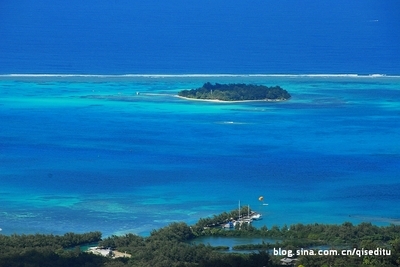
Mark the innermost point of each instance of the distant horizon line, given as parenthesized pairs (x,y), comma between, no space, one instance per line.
(161,75)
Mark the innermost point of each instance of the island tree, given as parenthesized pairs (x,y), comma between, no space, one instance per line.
(236,92)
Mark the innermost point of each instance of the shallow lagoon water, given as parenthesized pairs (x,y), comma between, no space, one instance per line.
(85,153)
(230,242)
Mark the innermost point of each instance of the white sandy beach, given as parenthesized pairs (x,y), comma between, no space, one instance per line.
(236,101)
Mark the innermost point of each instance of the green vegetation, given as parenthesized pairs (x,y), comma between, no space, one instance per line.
(173,246)
(236,92)
(170,246)
(48,250)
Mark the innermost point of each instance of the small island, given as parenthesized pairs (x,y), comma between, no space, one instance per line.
(236,92)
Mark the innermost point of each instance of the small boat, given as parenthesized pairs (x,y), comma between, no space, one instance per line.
(256,216)
(228,225)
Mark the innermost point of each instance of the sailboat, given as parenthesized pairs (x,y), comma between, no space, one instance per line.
(243,219)
(246,219)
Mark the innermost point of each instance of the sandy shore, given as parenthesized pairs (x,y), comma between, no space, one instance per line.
(106,252)
(236,101)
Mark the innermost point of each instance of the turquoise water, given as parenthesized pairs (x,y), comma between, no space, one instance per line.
(86,153)
(232,241)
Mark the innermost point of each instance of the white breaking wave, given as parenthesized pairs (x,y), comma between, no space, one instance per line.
(348,75)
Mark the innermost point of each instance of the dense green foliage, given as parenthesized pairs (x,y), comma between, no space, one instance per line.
(173,246)
(219,219)
(344,234)
(236,92)
(48,250)
(13,243)
(169,246)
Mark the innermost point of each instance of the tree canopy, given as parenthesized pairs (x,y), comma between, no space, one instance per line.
(173,246)
(236,92)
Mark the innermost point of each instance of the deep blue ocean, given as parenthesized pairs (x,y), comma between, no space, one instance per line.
(208,36)
(93,137)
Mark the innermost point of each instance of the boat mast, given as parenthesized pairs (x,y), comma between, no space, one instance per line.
(239,211)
